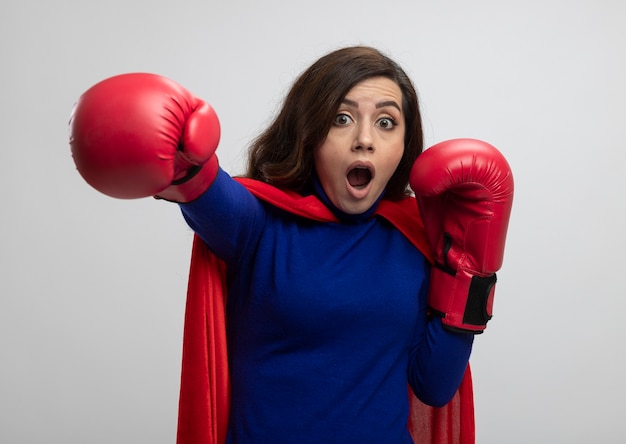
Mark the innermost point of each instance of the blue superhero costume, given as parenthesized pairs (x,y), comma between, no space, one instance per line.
(326,321)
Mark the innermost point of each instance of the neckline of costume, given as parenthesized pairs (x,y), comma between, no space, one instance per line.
(403,214)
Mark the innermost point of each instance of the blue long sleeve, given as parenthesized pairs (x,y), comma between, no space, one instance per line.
(438,362)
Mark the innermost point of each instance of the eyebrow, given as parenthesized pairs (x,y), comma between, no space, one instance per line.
(378,105)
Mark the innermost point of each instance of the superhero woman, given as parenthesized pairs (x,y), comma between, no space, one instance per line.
(326,304)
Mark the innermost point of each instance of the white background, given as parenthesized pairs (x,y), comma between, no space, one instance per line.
(92,288)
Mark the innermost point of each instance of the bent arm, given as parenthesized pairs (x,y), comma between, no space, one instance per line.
(438,359)
(437,366)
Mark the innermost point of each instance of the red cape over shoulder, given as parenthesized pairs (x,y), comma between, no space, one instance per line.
(205,390)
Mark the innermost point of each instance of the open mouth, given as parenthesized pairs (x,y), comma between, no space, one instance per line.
(359,177)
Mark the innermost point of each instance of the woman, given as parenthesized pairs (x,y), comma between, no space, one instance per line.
(327,321)
(326,263)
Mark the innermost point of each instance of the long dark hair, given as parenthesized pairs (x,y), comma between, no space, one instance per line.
(283,154)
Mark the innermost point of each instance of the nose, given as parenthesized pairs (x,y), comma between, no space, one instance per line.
(363,139)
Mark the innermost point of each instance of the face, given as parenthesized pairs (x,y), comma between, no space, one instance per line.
(364,145)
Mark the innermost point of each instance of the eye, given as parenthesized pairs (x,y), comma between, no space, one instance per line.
(342,119)
(386,123)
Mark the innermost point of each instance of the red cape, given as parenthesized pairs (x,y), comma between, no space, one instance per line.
(205,390)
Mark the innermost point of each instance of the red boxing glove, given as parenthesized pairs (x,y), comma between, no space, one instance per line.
(138,135)
(464,191)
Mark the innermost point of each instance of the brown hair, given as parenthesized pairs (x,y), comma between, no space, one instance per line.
(283,154)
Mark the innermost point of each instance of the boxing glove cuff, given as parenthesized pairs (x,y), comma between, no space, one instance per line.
(196,180)
(463,300)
